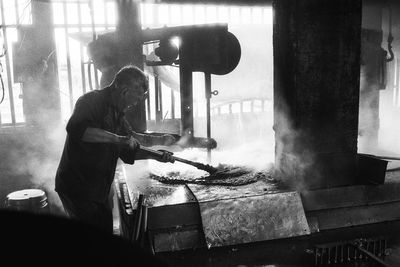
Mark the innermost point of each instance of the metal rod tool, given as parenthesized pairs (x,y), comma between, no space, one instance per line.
(205,167)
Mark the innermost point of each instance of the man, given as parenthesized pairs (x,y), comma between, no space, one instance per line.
(97,135)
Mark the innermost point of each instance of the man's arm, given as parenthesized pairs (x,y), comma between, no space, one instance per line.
(165,156)
(96,135)
(129,155)
(149,139)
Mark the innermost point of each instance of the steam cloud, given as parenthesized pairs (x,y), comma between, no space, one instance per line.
(35,155)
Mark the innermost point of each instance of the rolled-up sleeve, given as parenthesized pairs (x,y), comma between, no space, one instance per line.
(83,116)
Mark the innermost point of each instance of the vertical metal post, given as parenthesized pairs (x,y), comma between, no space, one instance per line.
(96,78)
(172,104)
(105,15)
(17,22)
(186,89)
(158,98)
(148,106)
(81,50)
(207,77)
(8,69)
(71,99)
(397,88)
(394,78)
(146,48)
(160,101)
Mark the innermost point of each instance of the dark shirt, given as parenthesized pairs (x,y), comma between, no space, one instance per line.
(86,170)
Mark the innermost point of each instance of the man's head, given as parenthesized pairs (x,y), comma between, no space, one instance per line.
(130,87)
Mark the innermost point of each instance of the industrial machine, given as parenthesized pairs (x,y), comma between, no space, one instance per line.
(208,48)
(263,221)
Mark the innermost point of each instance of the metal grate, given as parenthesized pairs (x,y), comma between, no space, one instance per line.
(360,252)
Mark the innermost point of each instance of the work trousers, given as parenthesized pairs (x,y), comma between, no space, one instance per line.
(90,212)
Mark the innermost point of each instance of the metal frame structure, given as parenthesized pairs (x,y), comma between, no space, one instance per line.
(73,66)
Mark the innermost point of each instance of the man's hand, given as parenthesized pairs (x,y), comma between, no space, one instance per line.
(168,139)
(166,157)
(131,142)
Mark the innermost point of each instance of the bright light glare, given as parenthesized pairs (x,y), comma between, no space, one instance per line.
(268,15)
(211,14)
(176,41)
(235,15)
(147,17)
(163,14)
(175,14)
(246,15)
(199,14)
(257,15)
(223,14)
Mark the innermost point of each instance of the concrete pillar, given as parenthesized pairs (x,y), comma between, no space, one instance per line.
(316,91)
(41,98)
(130,50)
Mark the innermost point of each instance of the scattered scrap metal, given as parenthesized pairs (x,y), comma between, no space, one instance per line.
(225,176)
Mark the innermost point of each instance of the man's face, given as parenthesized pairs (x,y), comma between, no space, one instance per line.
(132,95)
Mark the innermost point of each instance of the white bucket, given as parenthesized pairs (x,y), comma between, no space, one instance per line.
(33,200)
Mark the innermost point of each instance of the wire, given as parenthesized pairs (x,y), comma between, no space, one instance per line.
(2,88)
(22,15)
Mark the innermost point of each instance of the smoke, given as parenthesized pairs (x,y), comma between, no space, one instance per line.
(294,159)
(389,130)
(33,155)
(378,113)
(244,136)
(242,117)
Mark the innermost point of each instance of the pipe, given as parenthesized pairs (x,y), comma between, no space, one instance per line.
(207,77)
(138,219)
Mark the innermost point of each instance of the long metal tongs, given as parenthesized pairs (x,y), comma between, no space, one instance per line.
(205,167)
